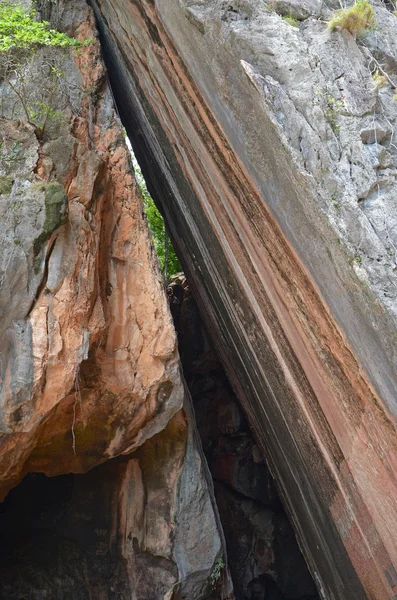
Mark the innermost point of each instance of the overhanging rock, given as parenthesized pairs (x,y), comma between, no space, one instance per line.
(249,132)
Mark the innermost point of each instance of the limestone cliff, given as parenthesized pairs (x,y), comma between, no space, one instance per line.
(89,367)
(271,150)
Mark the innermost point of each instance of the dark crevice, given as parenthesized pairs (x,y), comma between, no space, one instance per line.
(60,537)
(263,555)
(56,538)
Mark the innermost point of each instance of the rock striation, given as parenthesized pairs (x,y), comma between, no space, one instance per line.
(89,366)
(263,556)
(271,150)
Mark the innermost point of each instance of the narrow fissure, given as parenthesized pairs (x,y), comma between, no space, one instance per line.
(226,466)
(263,555)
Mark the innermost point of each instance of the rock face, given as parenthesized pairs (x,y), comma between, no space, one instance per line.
(118,531)
(89,367)
(264,559)
(271,150)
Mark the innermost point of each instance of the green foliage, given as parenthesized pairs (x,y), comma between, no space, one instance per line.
(291,20)
(31,57)
(356,19)
(169,262)
(40,112)
(356,260)
(216,573)
(332,108)
(19,29)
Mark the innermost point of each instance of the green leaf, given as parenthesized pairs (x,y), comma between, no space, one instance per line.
(20,29)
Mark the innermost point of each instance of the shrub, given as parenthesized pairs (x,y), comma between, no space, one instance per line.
(19,29)
(28,45)
(379,79)
(356,19)
(216,573)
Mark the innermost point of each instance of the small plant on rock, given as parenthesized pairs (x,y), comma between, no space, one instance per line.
(332,107)
(356,19)
(216,573)
(379,79)
(26,42)
(291,20)
(168,260)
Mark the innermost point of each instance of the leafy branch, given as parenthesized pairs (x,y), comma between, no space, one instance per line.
(26,42)
(169,262)
(19,29)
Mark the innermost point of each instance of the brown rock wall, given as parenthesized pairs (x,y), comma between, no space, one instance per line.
(90,366)
(263,556)
(114,531)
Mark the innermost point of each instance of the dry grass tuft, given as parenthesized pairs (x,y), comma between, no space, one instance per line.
(380,80)
(356,19)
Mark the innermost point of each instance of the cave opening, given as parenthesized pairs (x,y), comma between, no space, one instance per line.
(58,538)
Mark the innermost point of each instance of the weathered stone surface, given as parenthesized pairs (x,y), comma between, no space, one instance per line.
(263,555)
(248,131)
(118,531)
(298,9)
(89,367)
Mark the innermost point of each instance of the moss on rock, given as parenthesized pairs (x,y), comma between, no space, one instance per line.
(55,201)
(6,183)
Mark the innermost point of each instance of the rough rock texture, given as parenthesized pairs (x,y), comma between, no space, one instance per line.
(118,531)
(272,153)
(89,368)
(264,559)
